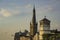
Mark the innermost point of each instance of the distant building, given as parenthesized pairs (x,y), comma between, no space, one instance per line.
(44,32)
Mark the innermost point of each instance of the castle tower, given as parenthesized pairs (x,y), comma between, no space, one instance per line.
(44,28)
(33,24)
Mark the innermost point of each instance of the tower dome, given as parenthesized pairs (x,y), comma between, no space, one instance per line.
(45,21)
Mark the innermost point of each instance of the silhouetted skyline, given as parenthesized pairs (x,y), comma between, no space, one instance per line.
(16,15)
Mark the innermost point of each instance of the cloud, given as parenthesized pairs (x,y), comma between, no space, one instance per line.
(8,12)
(44,9)
(4,13)
(28,6)
(15,11)
(25,9)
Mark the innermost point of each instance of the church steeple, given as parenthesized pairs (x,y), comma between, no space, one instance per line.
(34,16)
(33,24)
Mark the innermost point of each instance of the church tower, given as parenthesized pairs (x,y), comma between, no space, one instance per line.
(33,24)
(44,28)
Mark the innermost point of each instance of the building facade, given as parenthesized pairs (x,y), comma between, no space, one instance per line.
(44,32)
(44,27)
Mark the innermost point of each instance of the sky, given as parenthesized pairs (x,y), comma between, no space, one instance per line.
(16,15)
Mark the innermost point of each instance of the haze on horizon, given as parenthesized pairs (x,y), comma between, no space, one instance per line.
(16,15)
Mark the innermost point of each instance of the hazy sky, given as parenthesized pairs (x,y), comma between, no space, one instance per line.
(15,15)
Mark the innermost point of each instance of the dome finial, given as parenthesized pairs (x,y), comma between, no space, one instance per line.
(44,16)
